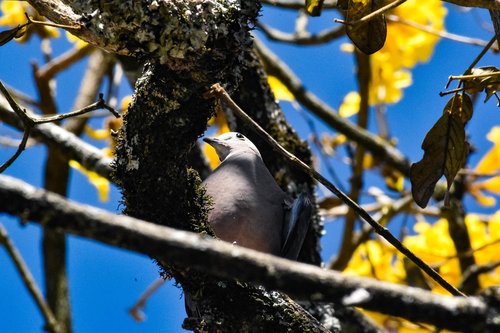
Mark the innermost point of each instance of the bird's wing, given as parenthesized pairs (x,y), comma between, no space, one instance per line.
(295,226)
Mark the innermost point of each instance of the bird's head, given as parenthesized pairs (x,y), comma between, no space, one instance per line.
(231,143)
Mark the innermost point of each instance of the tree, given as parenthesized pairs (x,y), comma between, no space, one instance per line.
(186,47)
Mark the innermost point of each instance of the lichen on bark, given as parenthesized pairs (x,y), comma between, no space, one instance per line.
(175,32)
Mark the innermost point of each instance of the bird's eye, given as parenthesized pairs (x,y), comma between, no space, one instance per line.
(239,136)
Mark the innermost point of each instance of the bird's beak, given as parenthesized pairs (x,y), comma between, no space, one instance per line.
(211,141)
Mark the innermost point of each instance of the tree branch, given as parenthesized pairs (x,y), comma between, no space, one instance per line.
(69,144)
(374,144)
(489,4)
(217,91)
(225,260)
(322,37)
(28,280)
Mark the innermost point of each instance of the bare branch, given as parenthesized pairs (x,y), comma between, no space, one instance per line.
(374,144)
(69,144)
(28,280)
(298,4)
(136,310)
(225,260)
(440,33)
(64,61)
(302,39)
(30,121)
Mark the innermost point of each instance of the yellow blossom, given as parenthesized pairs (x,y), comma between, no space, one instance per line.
(100,183)
(350,104)
(280,91)
(14,15)
(489,164)
(79,43)
(220,122)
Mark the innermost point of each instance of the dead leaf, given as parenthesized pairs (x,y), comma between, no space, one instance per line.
(369,37)
(445,149)
(489,83)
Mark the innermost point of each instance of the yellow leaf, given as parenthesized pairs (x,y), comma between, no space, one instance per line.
(280,91)
(492,185)
(350,104)
(395,182)
(99,182)
(125,103)
(211,156)
(79,43)
(481,198)
(97,134)
(13,13)
(491,160)
(368,161)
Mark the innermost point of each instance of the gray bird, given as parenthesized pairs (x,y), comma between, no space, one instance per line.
(250,209)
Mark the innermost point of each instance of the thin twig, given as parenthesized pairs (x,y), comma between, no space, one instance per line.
(31,121)
(50,24)
(63,61)
(136,310)
(473,76)
(481,54)
(298,4)
(322,37)
(469,69)
(380,148)
(217,91)
(473,272)
(100,104)
(20,149)
(365,19)
(440,33)
(28,280)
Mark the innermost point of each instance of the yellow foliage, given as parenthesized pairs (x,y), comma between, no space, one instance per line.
(220,122)
(432,243)
(79,43)
(350,104)
(407,45)
(99,182)
(280,91)
(13,12)
(489,164)
(13,15)
(387,81)
(376,259)
(404,48)
(491,160)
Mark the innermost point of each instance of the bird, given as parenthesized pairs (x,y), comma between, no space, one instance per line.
(249,207)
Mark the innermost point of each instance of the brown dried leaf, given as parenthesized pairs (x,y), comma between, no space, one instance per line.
(369,37)
(490,84)
(445,149)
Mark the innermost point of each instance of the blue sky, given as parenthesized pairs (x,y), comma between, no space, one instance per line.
(105,281)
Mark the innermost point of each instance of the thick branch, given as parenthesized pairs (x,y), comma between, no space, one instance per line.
(225,260)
